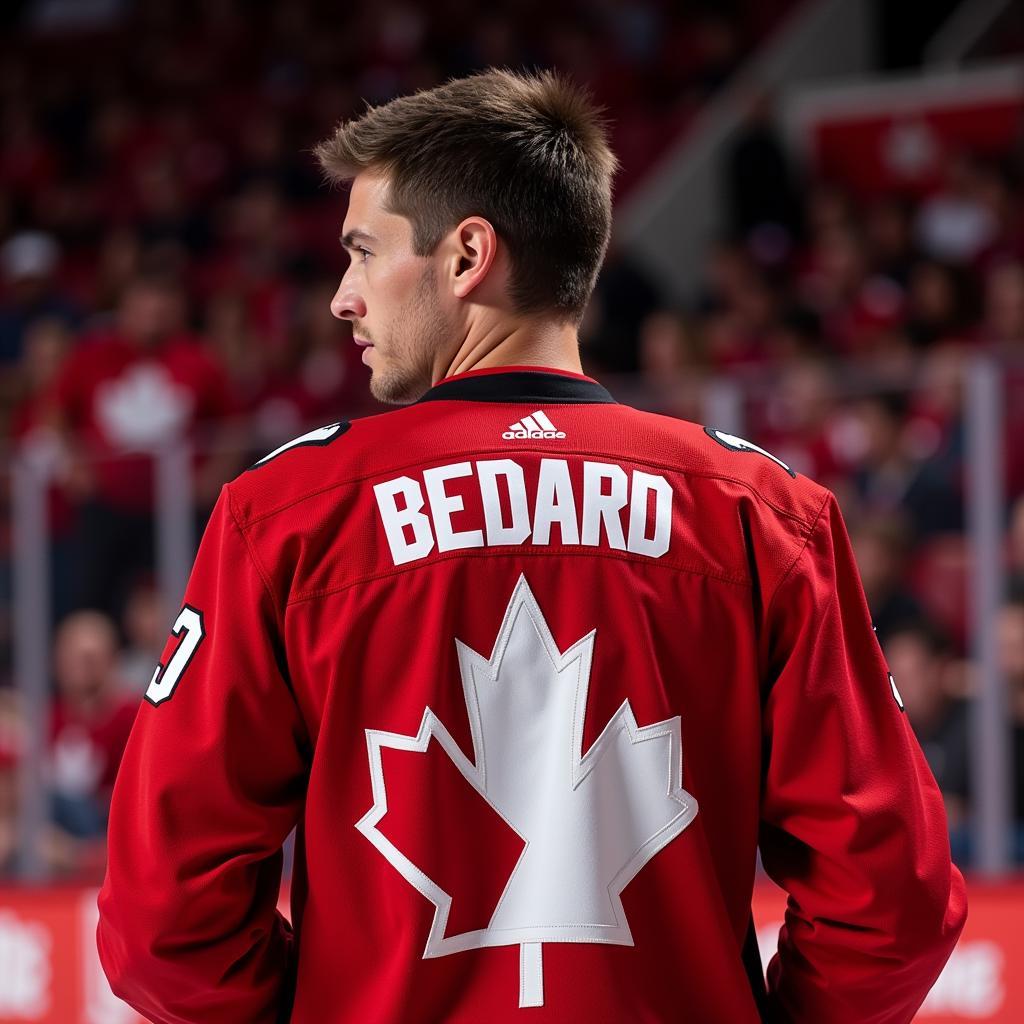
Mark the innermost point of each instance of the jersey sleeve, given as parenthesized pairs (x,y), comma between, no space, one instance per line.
(852,821)
(211,783)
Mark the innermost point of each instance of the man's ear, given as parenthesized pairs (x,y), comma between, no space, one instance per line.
(475,246)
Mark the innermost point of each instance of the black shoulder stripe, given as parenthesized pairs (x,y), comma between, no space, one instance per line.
(740,444)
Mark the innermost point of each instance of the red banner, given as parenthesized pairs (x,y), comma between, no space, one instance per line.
(898,135)
(50,974)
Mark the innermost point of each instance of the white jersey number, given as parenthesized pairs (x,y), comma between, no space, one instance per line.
(189,627)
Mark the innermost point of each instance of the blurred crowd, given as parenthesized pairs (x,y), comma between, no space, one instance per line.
(844,324)
(167,254)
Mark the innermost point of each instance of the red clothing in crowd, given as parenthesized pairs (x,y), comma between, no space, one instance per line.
(39,440)
(123,401)
(86,751)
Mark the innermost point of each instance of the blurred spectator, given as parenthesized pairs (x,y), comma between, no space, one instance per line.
(1011,659)
(880,547)
(738,309)
(671,377)
(29,262)
(313,377)
(8,814)
(919,661)
(728,274)
(89,728)
(123,395)
(117,262)
(1003,321)
(935,436)
(958,222)
(145,629)
(1016,549)
(833,274)
(796,419)
(47,344)
(623,297)
(827,208)
(938,575)
(889,236)
(762,193)
(11,740)
(870,442)
(237,345)
(938,303)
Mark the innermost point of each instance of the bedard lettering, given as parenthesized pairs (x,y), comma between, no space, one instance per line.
(425,516)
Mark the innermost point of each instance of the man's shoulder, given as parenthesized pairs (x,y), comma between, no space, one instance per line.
(313,463)
(730,465)
(723,468)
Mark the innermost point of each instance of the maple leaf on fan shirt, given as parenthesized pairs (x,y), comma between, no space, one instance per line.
(568,829)
(143,408)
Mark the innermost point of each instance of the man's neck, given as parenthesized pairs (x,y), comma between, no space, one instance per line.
(547,344)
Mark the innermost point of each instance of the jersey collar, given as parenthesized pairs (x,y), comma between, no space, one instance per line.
(519,384)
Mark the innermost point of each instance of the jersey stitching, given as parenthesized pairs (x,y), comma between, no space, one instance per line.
(257,564)
(279,615)
(476,553)
(803,547)
(792,565)
(552,453)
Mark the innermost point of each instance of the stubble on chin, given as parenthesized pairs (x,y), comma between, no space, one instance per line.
(395,386)
(406,376)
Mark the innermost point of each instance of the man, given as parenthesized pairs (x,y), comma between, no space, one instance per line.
(90,722)
(533,673)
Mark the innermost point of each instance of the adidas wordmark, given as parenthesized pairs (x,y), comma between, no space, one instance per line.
(537,425)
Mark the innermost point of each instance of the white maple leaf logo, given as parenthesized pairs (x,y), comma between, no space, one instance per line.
(588,822)
(143,408)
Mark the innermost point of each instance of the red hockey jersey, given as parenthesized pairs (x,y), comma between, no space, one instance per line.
(534,674)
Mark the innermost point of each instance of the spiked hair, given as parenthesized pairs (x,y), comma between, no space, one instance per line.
(526,151)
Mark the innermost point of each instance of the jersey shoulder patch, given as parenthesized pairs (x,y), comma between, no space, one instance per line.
(317,438)
(739,444)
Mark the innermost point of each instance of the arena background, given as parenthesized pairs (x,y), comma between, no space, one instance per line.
(819,245)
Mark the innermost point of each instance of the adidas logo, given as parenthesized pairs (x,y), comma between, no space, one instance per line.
(537,425)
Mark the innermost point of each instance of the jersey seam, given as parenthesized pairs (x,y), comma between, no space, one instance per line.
(551,454)
(278,615)
(257,564)
(796,559)
(471,553)
(762,650)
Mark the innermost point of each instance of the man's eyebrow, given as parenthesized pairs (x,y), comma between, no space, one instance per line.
(350,238)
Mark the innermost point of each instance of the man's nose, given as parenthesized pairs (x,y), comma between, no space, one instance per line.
(347,303)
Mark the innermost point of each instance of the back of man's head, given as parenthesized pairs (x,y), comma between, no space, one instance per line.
(526,151)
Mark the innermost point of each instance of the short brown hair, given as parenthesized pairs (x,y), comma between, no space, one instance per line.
(527,151)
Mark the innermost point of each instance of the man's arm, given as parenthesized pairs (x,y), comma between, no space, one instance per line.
(853,826)
(212,781)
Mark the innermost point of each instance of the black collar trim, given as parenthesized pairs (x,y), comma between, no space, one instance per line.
(527,386)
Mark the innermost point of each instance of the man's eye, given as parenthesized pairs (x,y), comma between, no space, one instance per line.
(363,253)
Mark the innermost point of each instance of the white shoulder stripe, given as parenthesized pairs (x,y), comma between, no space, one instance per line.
(317,436)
